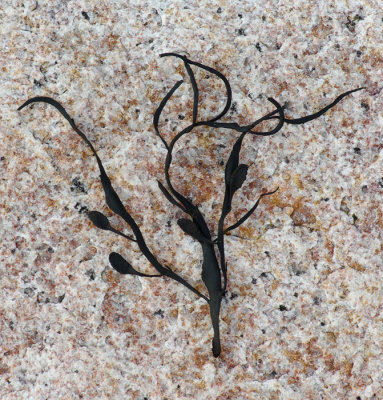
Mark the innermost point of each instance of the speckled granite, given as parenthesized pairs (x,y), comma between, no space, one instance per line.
(303,315)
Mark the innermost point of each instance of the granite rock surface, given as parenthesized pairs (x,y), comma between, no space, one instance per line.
(302,318)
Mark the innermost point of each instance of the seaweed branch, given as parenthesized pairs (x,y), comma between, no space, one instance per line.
(214,272)
(115,204)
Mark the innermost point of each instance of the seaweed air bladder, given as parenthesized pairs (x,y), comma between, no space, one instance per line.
(214,268)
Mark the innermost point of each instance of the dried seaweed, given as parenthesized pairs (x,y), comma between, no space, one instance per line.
(214,269)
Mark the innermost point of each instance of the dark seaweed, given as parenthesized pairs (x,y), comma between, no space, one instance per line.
(214,269)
